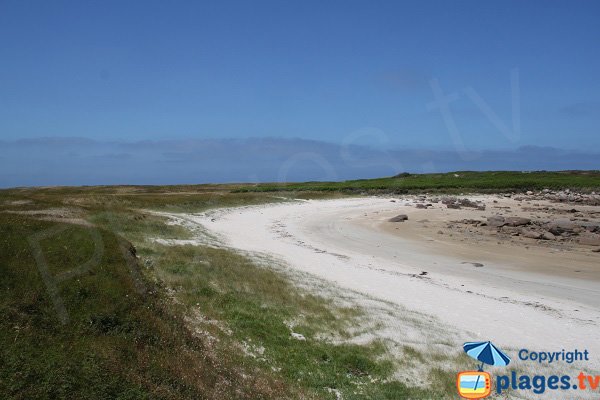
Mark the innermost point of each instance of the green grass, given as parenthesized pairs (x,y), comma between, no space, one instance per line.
(255,302)
(491,181)
(117,343)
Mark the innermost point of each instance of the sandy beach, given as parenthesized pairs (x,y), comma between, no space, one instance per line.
(477,282)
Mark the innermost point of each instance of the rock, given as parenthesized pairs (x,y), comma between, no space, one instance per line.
(559,226)
(496,220)
(297,336)
(470,221)
(466,203)
(554,230)
(548,236)
(420,205)
(590,240)
(399,218)
(531,234)
(455,203)
(392,201)
(529,193)
(517,221)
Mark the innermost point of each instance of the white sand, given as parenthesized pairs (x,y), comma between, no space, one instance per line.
(511,300)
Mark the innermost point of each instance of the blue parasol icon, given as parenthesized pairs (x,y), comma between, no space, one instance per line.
(487,353)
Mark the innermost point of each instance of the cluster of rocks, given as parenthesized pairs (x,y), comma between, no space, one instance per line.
(560,196)
(422,202)
(457,203)
(423,205)
(574,225)
(582,232)
(500,221)
(450,202)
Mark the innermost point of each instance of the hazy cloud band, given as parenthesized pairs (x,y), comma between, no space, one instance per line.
(80,161)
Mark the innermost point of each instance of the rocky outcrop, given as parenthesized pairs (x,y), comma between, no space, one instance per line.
(399,218)
(562,196)
(452,202)
(496,221)
(516,221)
(531,234)
(560,226)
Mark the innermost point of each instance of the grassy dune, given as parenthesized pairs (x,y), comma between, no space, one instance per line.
(116,342)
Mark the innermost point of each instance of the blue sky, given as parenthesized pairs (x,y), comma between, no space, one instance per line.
(334,71)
